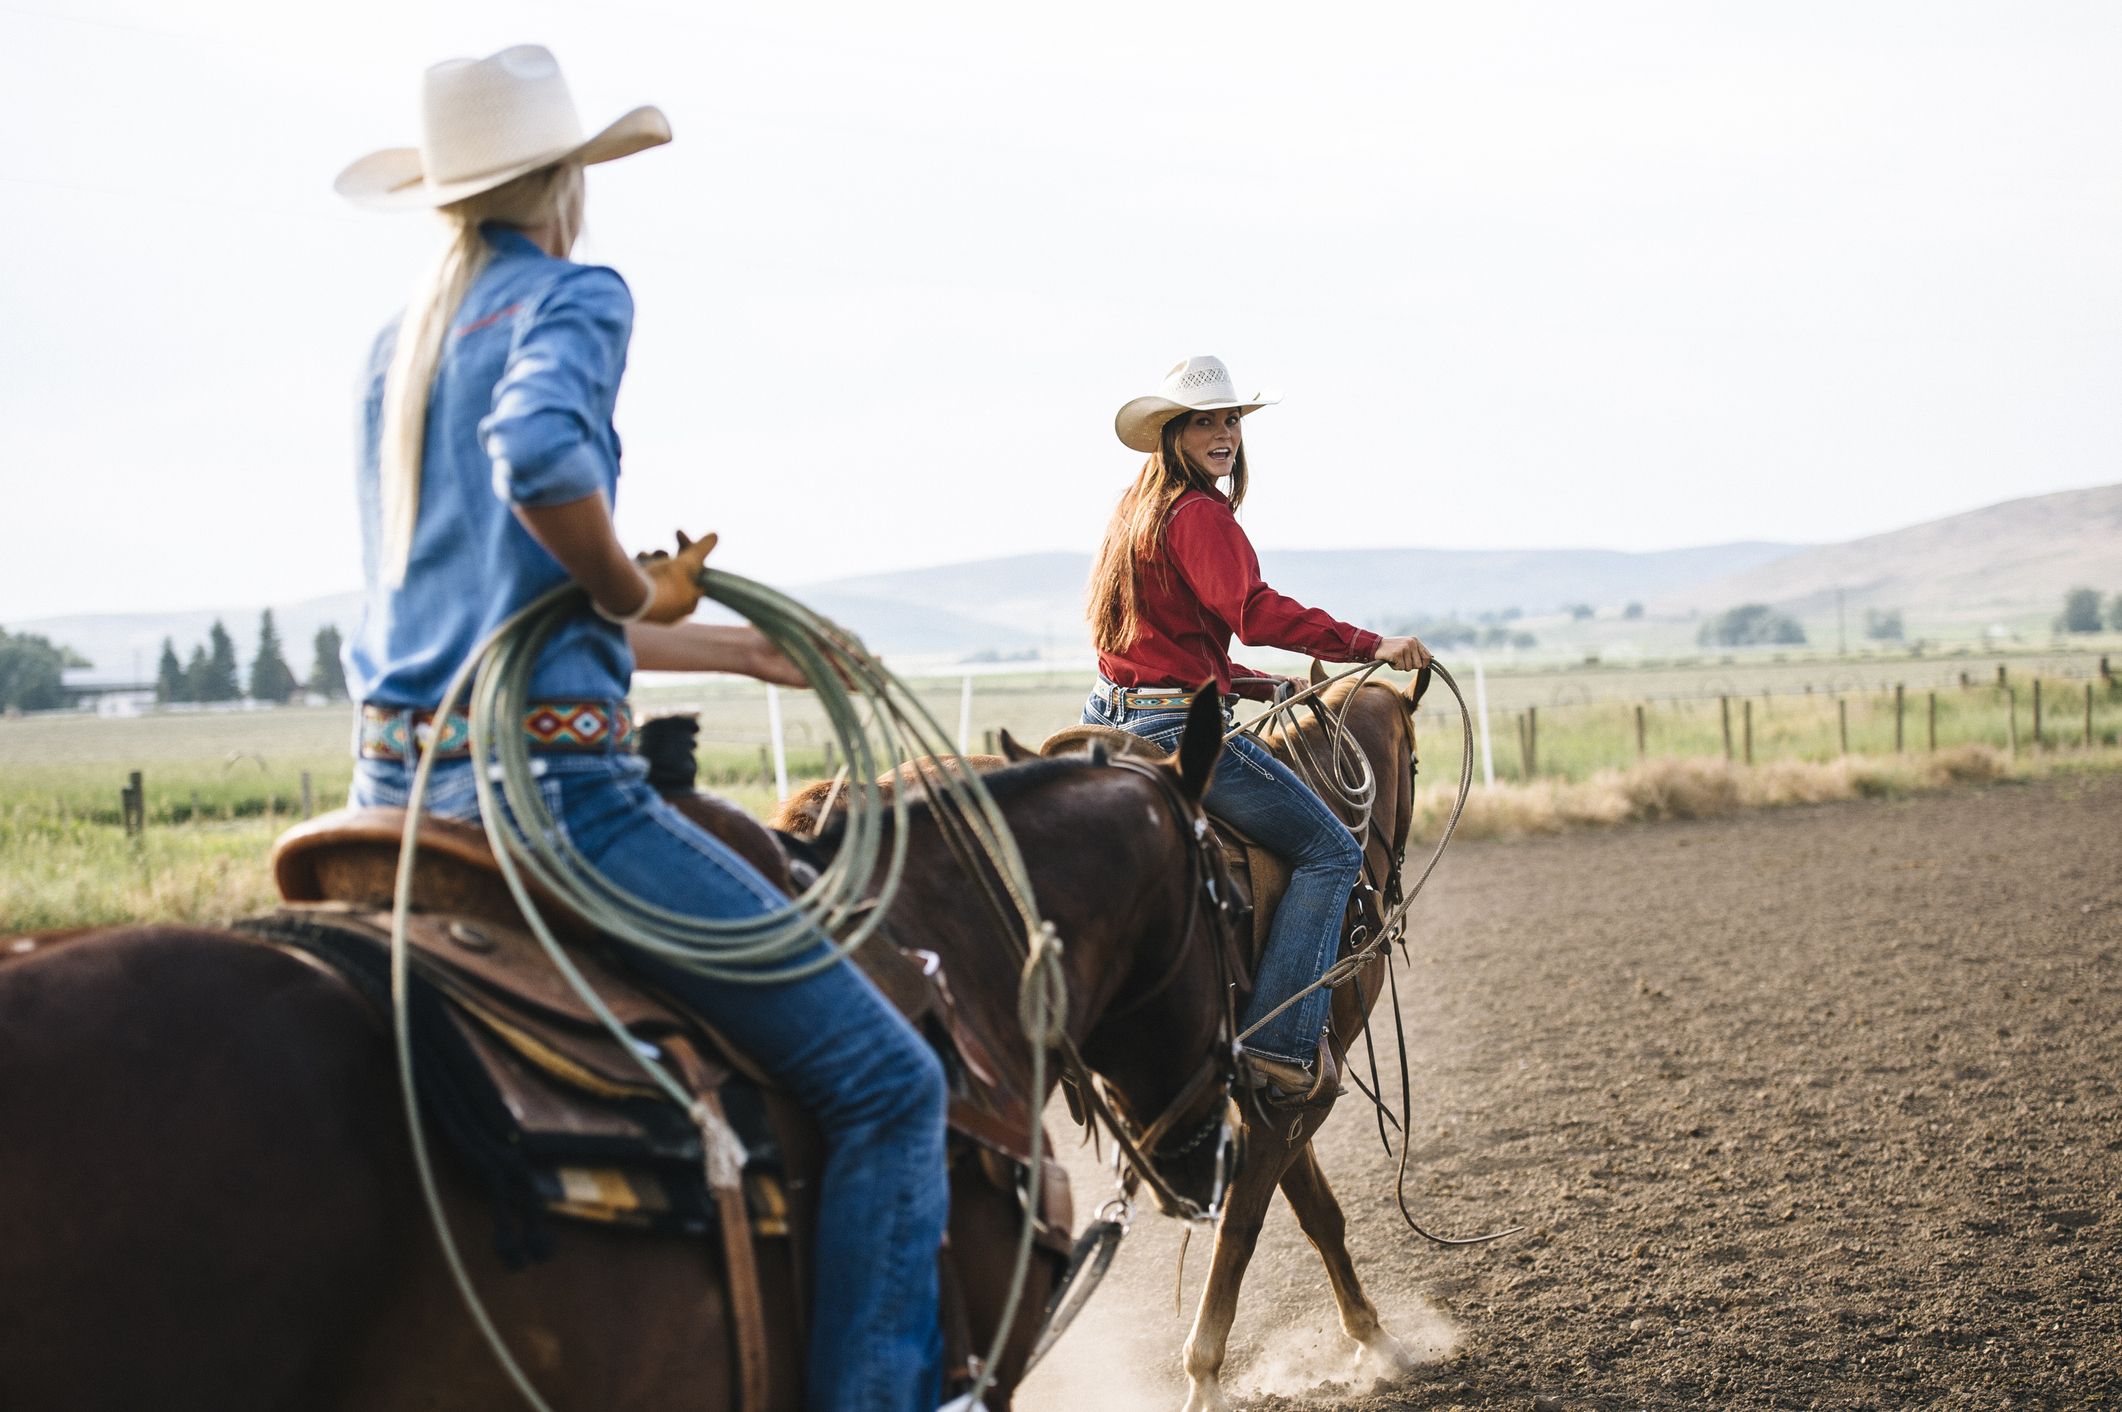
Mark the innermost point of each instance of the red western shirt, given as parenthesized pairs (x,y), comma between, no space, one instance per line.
(1205,589)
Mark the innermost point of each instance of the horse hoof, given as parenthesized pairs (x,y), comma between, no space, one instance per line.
(1383,1355)
(1207,1397)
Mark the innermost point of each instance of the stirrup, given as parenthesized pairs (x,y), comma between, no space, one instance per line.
(1298,1085)
(963,1403)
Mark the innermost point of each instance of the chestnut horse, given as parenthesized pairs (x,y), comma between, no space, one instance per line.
(207,1198)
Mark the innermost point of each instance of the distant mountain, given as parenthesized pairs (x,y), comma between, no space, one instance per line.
(2003,561)
(124,647)
(2009,561)
(1043,593)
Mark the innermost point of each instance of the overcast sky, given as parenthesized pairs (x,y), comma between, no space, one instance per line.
(1630,275)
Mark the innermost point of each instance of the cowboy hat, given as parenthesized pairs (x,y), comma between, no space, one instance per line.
(485,122)
(1199,384)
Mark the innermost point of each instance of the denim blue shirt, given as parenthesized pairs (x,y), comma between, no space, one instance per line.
(520,414)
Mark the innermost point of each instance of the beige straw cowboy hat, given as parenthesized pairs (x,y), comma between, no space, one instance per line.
(1196,385)
(485,122)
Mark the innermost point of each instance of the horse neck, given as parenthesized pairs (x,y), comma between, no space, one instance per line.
(1102,867)
(1377,720)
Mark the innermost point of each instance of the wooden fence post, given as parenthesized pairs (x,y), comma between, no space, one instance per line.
(1532,741)
(987,742)
(2000,675)
(309,803)
(1898,716)
(2037,713)
(132,808)
(2011,718)
(1724,705)
(2088,715)
(1934,722)
(1639,727)
(1842,721)
(1746,718)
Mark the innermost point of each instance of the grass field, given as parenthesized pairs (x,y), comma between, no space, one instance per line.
(219,786)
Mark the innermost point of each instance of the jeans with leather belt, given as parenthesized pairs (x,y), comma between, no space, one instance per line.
(876,1089)
(1264,797)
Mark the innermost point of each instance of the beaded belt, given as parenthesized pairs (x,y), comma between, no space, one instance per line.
(394,732)
(1146,698)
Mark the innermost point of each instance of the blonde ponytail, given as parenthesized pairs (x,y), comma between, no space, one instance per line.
(549,194)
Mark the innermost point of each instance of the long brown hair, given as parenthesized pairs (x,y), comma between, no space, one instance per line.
(1135,535)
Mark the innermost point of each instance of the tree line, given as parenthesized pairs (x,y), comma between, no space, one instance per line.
(211,673)
(2081,611)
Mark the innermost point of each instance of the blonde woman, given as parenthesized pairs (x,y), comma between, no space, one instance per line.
(1176,579)
(487,472)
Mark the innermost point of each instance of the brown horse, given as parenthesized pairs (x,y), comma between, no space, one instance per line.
(207,1198)
(1277,1140)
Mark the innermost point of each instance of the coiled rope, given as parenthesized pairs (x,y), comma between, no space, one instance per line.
(876,721)
(1358,792)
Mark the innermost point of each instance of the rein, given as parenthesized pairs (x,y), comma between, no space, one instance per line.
(1139,1149)
(1393,909)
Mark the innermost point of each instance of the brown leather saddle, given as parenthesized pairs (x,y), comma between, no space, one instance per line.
(555,1112)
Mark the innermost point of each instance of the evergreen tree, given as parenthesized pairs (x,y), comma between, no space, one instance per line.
(198,674)
(328,677)
(170,684)
(2114,612)
(271,678)
(224,681)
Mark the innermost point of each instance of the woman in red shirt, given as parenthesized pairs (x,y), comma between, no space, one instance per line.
(1175,580)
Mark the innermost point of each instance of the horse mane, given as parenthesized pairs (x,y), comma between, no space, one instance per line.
(1003,784)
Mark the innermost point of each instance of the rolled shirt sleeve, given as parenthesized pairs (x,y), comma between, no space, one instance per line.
(547,435)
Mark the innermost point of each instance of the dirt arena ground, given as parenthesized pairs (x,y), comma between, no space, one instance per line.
(1813,1108)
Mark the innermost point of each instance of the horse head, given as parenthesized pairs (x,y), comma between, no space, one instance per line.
(1163,1046)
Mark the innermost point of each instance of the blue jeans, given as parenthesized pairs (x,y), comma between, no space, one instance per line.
(876,1089)
(1264,797)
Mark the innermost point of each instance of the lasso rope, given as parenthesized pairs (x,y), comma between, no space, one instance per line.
(775,948)
(1392,924)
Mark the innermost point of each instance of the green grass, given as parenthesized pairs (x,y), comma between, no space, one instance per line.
(220,786)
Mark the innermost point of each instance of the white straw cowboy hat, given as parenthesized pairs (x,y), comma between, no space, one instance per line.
(1196,385)
(485,122)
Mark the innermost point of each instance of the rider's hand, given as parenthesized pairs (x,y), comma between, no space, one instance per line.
(1402,654)
(671,584)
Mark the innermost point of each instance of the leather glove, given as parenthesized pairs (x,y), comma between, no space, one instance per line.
(673,581)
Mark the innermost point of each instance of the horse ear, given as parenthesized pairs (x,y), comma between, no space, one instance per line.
(1415,688)
(1013,750)
(1318,671)
(1201,745)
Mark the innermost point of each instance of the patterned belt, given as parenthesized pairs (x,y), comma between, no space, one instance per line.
(394,732)
(1145,698)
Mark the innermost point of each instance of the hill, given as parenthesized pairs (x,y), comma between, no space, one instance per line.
(2010,562)
(1043,593)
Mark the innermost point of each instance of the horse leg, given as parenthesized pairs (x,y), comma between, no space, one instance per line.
(1319,1215)
(1244,1210)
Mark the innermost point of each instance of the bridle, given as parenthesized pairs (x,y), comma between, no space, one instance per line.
(1208,895)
